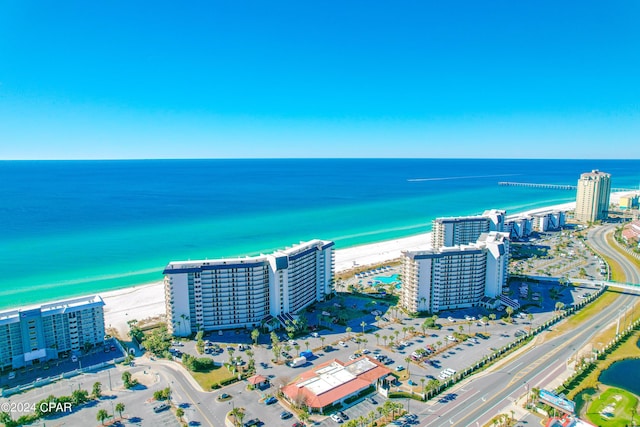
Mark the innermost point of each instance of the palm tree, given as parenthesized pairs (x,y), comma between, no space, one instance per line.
(322,338)
(404,332)
(348,330)
(184,319)
(377,335)
(378,321)
(304,415)
(439,344)
(102,415)
(180,413)
(422,380)
(485,321)
(238,415)
(120,408)
(396,333)
(385,338)
(408,362)
(530,319)
(492,317)
(254,336)
(371,416)
(509,311)
(363,324)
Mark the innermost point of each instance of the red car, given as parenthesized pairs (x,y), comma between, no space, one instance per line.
(298,424)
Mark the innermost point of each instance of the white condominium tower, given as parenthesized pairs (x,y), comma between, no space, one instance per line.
(455,277)
(245,292)
(592,199)
(455,231)
(37,334)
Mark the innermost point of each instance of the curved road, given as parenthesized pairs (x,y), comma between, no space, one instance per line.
(597,239)
(476,401)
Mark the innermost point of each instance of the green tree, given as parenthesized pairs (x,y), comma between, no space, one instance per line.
(126,379)
(485,321)
(348,330)
(509,311)
(238,415)
(119,408)
(492,317)
(97,389)
(180,413)
(304,415)
(78,397)
(254,336)
(102,415)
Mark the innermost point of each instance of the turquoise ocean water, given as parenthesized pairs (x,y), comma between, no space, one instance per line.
(78,227)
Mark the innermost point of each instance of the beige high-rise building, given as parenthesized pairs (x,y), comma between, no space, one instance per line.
(592,200)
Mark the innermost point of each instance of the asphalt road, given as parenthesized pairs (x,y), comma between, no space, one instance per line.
(476,401)
(597,239)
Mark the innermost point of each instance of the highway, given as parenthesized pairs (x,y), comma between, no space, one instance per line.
(474,402)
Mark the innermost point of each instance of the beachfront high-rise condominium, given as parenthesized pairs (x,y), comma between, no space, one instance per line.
(41,333)
(592,199)
(245,292)
(456,276)
(461,230)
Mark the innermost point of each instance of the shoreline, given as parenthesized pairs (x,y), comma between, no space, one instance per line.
(147,300)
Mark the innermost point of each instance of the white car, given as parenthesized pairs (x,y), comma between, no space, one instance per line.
(451,319)
(342,343)
(365,351)
(353,357)
(74,358)
(336,418)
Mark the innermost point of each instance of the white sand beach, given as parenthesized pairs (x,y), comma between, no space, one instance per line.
(145,301)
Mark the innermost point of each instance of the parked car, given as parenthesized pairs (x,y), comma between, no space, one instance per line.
(372,400)
(270,400)
(161,407)
(253,422)
(342,343)
(336,418)
(399,368)
(343,415)
(285,415)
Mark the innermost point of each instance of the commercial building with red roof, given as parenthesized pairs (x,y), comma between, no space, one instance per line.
(568,421)
(334,382)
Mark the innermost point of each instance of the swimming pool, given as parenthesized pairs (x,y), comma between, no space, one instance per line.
(386,279)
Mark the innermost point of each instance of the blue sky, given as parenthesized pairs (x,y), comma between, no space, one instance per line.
(116,79)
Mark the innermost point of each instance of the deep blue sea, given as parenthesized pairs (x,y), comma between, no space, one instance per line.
(77,227)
